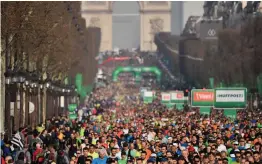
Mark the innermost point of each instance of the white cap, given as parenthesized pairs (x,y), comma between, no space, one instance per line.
(235,143)
(175,144)
(153,155)
(170,138)
(183,148)
(116,146)
(232,155)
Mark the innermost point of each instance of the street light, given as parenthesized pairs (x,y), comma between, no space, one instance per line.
(47,85)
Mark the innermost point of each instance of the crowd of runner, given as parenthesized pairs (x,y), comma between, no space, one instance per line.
(117,128)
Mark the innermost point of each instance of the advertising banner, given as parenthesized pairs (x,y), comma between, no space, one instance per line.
(180,106)
(230,98)
(72,107)
(231,113)
(202,98)
(165,97)
(177,97)
(72,116)
(148,97)
(205,110)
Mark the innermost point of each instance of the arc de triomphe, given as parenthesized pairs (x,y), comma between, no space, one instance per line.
(155,16)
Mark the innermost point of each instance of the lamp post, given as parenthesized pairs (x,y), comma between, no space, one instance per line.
(33,112)
(20,80)
(27,98)
(16,88)
(7,102)
(41,106)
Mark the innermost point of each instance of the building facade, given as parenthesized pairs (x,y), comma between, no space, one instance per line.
(155,16)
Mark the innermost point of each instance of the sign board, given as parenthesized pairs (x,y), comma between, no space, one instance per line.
(72,107)
(205,110)
(31,107)
(165,97)
(202,98)
(62,101)
(230,98)
(177,97)
(72,116)
(148,96)
(231,113)
(209,29)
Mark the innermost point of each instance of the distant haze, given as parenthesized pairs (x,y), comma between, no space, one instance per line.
(126,29)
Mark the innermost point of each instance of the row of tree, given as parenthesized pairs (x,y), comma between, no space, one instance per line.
(50,37)
(238,57)
(235,58)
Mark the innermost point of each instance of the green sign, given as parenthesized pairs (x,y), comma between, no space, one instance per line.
(231,113)
(137,71)
(230,98)
(165,97)
(180,106)
(177,97)
(170,105)
(148,97)
(72,116)
(202,97)
(205,110)
(72,107)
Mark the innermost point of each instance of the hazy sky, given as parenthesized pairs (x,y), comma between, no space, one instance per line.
(129,26)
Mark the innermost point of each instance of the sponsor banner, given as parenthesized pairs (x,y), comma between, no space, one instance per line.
(205,110)
(231,113)
(148,94)
(148,97)
(165,97)
(202,98)
(170,105)
(72,116)
(72,107)
(230,98)
(177,97)
(179,106)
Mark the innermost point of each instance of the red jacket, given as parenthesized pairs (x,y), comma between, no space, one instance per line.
(2,160)
(36,152)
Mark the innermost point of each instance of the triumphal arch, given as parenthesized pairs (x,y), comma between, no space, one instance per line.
(155,16)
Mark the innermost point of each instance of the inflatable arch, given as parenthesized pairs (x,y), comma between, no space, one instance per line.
(137,72)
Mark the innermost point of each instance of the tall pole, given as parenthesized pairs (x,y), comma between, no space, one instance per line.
(21,114)
(44,104)
(7,110)
(16,111)
(27,106)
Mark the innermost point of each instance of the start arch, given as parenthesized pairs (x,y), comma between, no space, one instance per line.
(137,72)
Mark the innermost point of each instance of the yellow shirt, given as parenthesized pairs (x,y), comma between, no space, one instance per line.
(94,155)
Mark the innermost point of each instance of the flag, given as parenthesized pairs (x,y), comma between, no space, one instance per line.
(17,140)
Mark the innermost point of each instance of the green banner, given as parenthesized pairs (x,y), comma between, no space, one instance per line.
(202,97)
(165,97)
(179,106)
(259,84)
(177,97)
(170,105)
(231,113)
(148,97)
(205,110)
(211,82)
(230,98)
(72,116)
(138,71)
(72,107)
